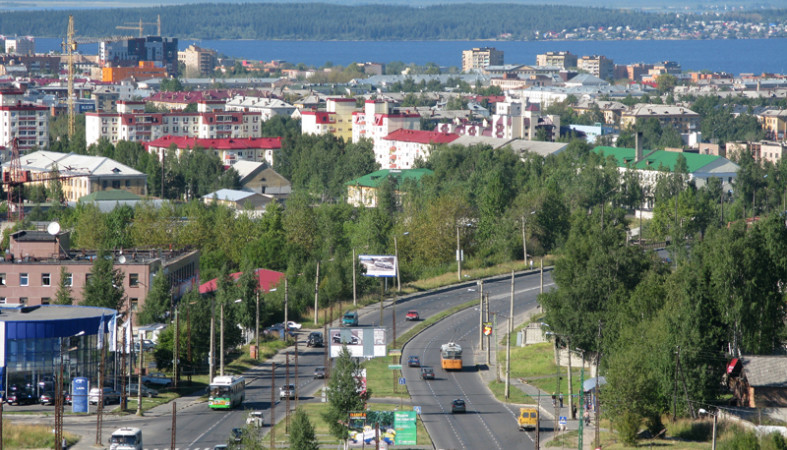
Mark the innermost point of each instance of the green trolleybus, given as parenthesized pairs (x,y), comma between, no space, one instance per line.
(227,392)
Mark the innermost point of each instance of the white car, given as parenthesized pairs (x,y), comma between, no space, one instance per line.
(293,325)
(255,419)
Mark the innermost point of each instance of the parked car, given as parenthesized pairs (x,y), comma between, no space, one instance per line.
(255,419)
(458,406)
(412,315)
(293,325)
(133,391)
(352,340)
(110,396)
(315,339)
(46,383)
(147,345)
(236,435)
(350,319)
(319,372)
(277,330)
(427,373)
(21,397)
(47,398)
(288,390)
(414,361)
(157,379)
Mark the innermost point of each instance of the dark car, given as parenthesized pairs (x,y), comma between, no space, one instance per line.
(21,398)
(427,373)
(319,372)
(47,398)
(414,361)
(315,339)
(458,406)
(412,315)
(337,339)
(237,434)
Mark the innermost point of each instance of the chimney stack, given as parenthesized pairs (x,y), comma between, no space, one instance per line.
(638,146)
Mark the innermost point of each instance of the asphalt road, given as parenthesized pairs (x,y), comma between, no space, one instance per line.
(487,424)
(198,427)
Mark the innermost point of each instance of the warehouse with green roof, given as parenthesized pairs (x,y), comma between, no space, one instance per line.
(362,191)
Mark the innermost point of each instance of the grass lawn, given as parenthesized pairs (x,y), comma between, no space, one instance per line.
(315,410)
(380,379)
(32,436)
(516,396)
(535,364)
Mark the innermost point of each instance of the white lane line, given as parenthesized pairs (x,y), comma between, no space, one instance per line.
(442,409)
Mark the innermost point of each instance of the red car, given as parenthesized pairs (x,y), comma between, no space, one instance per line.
(412,315)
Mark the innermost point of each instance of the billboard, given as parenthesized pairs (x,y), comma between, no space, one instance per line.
(379,265)
(79,390)
(365,342)
(364,426)
(405,427)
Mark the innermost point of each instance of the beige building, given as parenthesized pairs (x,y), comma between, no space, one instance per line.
(30,271)
(683,119)
(597,65)
(197,60)
(82,174)
(337,119)
(612,110)
(259,177)
(774,122)
(563,59)
(480,58)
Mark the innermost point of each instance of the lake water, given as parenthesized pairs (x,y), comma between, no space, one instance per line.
(729,55)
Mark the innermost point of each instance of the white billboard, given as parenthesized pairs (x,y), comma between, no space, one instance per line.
(365,342)
(379,265)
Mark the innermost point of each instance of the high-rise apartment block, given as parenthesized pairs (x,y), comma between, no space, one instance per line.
(564,59)
(481,57)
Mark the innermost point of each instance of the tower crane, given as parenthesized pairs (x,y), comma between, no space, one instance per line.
(139,26)
(15,177)
(70,47)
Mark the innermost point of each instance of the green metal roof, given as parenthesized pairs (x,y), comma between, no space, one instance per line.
(653,160)
(374,179)
(110,195)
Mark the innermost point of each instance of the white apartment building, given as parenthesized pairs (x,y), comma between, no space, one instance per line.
(265,106)
(337,119)
(401,148)
(27,123)
(143,127)
(378,120)
(513,121)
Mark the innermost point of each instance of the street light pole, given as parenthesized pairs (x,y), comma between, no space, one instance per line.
(396,254)
(211,360)
(508,341)
(316,294)
(221,340)
(257,328)
(458,256)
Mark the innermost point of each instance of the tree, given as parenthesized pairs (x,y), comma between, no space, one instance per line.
(157,302)
(55,187)
(104,285)
(343,394)
(302,436)
(63,294)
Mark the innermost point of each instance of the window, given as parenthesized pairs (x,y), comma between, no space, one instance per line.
(45,301)
(2,300)
(46,279)
(2,279)
(134,303)
(87,277)
(69,279)
(22,300)
(116,184)
(133,279)
(23,279)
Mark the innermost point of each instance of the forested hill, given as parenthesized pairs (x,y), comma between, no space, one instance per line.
(315,21)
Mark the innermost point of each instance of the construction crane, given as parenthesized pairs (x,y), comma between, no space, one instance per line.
(139,26)
(69,48)
(15,177)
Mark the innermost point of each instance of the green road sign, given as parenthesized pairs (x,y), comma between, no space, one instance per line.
(395,352)
(404,424)
(395,366)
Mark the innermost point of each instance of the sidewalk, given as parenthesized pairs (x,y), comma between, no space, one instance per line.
(547,411)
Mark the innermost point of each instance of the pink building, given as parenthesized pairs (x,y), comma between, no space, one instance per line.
(229,150)
(400,149)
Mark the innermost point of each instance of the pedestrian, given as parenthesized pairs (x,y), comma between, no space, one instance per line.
(573,410)
(561,399)
(586,416)
(554,399)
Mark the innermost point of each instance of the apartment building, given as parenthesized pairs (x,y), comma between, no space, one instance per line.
(337,119)
(402,148)
(21,45)
(683,119)
(378,119)
(229,150)
(143,127)
(163,52)
(771,151)
(82,174)
(562,59)
(513,120)
(25,122)
(774,123)
(611,110)
(363,191)
(267,107)
(144,70)
(198,61)
(480,58)
(597,65)
(30,271)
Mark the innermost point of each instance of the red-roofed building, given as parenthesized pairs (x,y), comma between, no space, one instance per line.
(180,100)
(228,150)
(378,120)
(268,279)
(337,119)
(401,148)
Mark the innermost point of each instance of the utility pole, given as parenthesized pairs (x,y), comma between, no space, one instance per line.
(508,341)
(287,402)
(286,305)
(273,404)
(538,426)
(582,402)
(675,390)
(221,340)
(488,338)
(598,400)
(570,388)
(524,240)
(100,407)
(257,328)
(174,424)
(398,278)
(556,394)
(316,291)
(296,374)
(481,316)
(458,256)
(211,364)
(355,295)
(326,344)
(139,378)
(542,276)
(176,353)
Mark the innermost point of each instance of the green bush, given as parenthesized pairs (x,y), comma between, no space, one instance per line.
(691,430)
(739,440)
(773,441)
(628,426)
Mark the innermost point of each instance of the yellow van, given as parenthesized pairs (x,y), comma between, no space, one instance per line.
(528,418)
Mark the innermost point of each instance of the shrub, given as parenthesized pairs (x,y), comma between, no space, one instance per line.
(773,441)
(739,440)
(628,426)
(690,430)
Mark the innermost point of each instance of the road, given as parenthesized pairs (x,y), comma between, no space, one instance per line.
(198,427)
(488,423)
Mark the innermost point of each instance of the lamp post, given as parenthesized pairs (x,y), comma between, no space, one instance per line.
(59,394)
(524,237)
(459,254)
(715,420)
(396,253)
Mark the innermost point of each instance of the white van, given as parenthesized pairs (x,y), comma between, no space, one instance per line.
(126,438)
